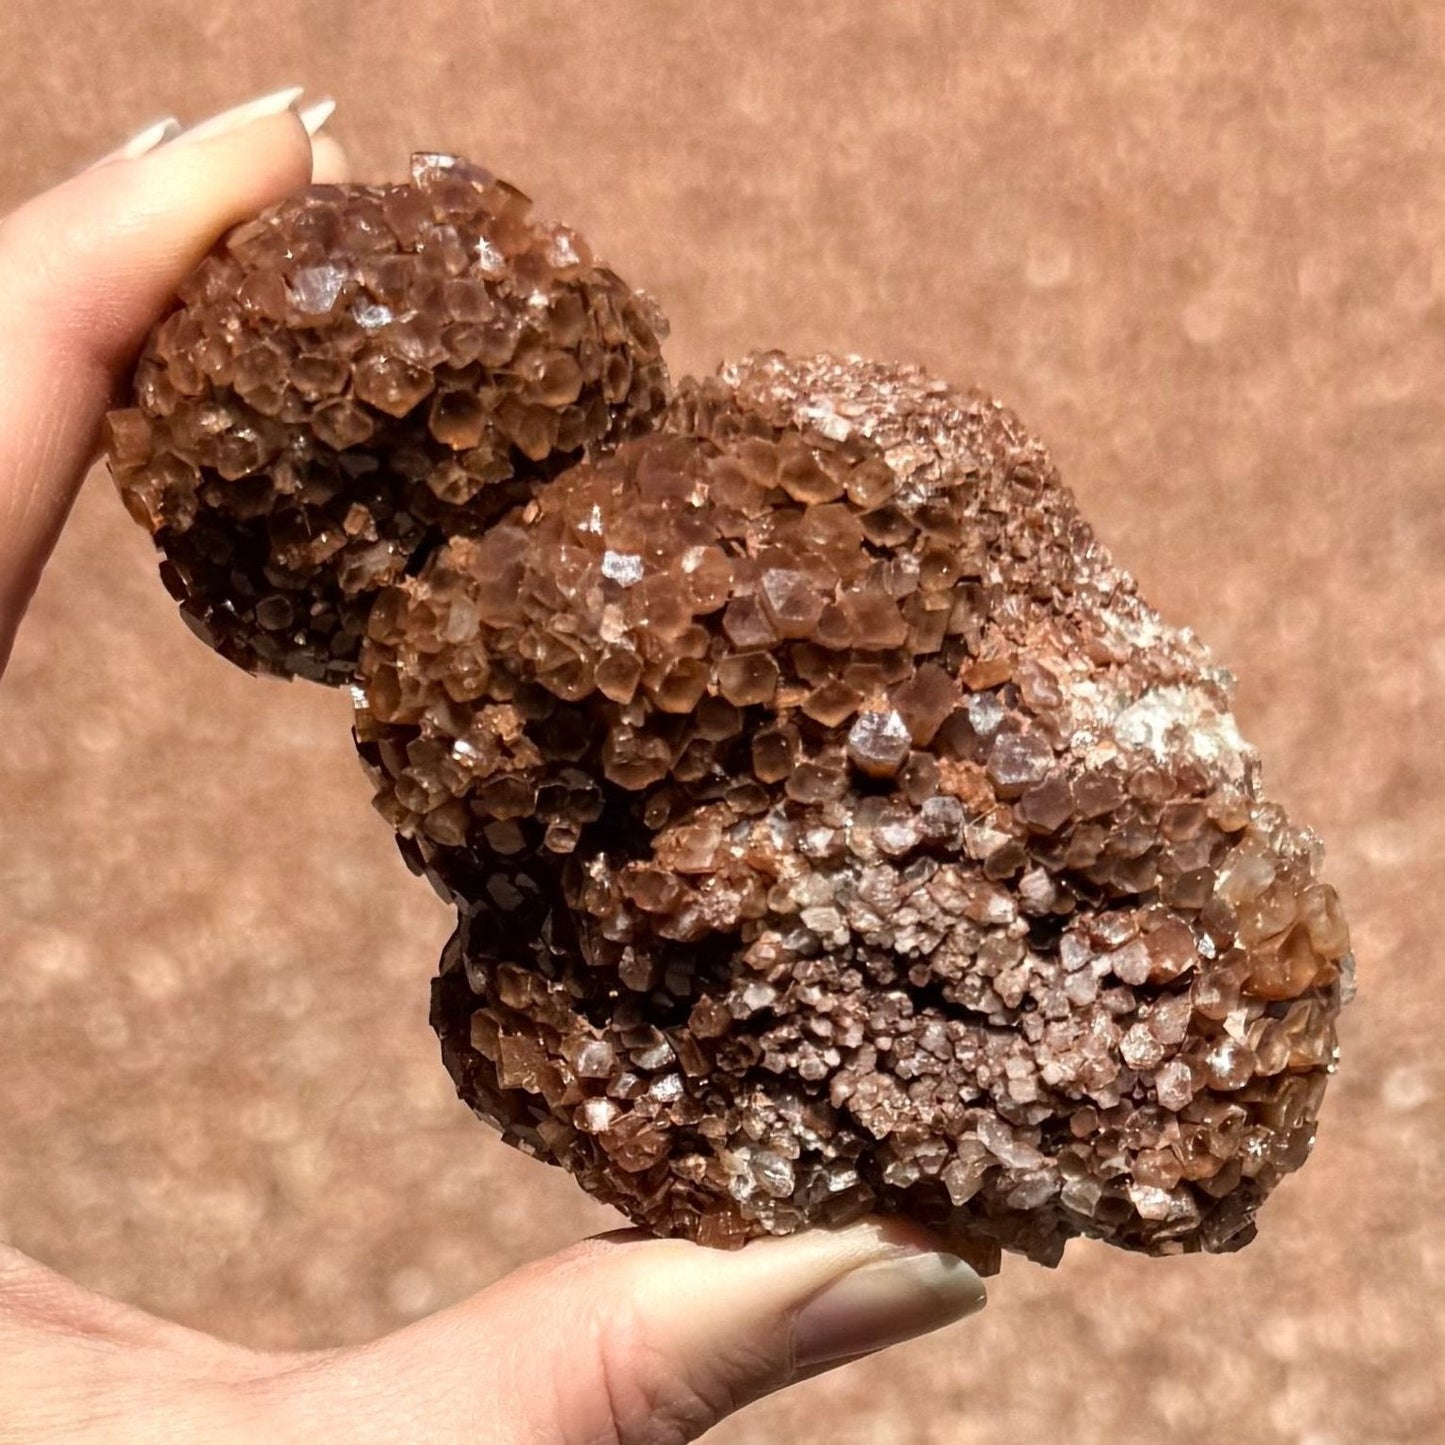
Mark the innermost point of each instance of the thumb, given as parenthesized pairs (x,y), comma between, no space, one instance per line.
(624,1340)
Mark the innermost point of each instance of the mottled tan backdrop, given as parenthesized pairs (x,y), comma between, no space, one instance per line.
(1199,246)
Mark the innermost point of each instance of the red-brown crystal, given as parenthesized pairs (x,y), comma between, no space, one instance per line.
(355,375)
(965,905)
(832,828)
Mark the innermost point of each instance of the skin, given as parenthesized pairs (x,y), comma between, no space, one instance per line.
(662,1338)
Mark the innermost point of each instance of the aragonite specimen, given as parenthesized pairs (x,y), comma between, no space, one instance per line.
(833,830)
(355,374)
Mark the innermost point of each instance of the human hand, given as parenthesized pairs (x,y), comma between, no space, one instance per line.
(620,1339)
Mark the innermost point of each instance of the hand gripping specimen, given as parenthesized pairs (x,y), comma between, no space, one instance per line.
(832,828)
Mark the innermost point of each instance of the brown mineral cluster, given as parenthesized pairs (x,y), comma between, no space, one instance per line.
(832,828)
(835,830)
(356,375)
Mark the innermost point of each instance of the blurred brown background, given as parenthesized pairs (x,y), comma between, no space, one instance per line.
(1201,247)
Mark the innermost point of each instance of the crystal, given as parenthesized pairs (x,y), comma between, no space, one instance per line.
(913,795)
(878,743)
(623,568)
(748,679)
(831,826)
(315,289)
(323,326)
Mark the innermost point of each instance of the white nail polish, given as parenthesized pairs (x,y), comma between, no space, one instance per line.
(240,115)
(143,142)
(315,113)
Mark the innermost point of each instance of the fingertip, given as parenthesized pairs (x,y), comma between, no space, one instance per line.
(85,270)
(330,165)
(662,1336)
(214,183)
(89,264)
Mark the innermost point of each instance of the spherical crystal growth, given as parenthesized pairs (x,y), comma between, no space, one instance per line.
(356,375)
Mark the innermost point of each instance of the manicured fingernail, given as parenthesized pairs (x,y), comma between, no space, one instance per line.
(329,166)
(142,142)
(315,113)
(240,115)
(882,1304)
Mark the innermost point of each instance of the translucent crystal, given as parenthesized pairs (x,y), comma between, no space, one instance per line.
(832,827)
(322,327)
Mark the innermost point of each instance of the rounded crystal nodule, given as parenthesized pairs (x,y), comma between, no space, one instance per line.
(355,375)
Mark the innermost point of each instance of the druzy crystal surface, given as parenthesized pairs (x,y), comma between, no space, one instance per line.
(831,826)
(359,371)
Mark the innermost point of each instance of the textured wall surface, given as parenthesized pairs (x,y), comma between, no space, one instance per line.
(1198,246)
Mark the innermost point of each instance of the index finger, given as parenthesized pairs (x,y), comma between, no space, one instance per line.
(84,271)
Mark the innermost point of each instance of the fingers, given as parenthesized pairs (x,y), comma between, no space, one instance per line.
(638,1341)
(329,165)
(76,1366)
(84,271)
